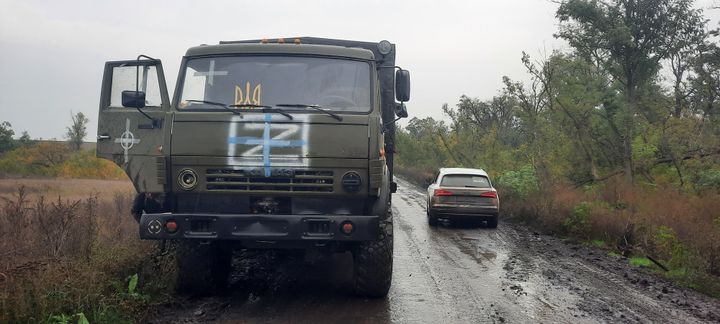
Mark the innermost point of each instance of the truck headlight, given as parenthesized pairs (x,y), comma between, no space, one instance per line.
(187,179)
(351,181)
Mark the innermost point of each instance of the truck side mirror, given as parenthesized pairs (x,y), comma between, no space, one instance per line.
(402,85)
(133,99)
(401,110)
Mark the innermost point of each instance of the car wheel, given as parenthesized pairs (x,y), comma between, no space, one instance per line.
(432,220)
(493,222)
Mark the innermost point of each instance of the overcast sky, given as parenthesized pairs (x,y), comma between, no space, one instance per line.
(52,52)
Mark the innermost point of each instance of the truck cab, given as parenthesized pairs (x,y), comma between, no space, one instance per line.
(266,144)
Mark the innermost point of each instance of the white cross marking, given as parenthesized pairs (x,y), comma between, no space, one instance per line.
(127,139)
(211,73)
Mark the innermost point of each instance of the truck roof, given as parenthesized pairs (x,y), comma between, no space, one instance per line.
(288,48)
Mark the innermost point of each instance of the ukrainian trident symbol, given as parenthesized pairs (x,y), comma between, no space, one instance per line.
(127,139)
(247,98)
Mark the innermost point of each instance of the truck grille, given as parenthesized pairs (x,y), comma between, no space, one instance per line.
(285,181)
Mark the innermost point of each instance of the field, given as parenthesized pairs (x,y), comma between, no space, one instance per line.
(70,250)
(66,188)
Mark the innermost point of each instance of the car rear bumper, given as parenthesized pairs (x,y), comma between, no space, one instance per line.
(464,211)
(258,227)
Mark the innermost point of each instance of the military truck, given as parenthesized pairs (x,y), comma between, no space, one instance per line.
(266,144)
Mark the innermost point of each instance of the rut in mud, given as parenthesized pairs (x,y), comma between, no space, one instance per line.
(449,274)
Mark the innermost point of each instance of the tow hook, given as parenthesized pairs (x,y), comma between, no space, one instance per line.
(163,248)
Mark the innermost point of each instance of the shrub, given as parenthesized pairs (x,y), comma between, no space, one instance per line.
(518,184)
(84,164)
(709,179)
(669,247)
(54,159)
(578,223)
(63,259)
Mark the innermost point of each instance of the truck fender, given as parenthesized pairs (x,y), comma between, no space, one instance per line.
(382,203)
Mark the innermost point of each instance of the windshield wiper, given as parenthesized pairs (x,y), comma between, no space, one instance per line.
(213,103)
(265,108)
(316,107)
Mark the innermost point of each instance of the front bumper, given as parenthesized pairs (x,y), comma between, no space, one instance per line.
(258,227)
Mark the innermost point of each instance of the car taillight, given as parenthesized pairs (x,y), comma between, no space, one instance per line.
(442,192)
(489,194)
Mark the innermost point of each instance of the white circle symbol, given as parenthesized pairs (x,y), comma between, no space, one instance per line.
(127,140)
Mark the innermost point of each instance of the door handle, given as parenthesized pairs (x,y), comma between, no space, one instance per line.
(103,137)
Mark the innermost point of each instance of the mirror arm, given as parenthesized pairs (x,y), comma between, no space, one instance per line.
(137,71)
(154,121)
(389,67)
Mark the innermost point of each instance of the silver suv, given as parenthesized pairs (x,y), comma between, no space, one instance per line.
(462,194)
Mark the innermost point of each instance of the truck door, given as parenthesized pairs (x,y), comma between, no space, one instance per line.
(133,137)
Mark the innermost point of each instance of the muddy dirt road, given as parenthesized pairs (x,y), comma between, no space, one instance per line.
(451,274)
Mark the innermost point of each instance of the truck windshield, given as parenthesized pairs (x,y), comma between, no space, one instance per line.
(333,84)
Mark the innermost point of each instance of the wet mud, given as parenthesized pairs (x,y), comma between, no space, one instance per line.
(453,273)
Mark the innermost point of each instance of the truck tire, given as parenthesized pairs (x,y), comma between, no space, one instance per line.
(373,262)
(203,267)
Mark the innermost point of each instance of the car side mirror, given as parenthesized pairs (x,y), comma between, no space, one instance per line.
(401,110)
(133,99)
(402,85)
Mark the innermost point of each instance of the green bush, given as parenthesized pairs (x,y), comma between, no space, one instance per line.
(519,183)
(578,223)
(709,179)
(671,248)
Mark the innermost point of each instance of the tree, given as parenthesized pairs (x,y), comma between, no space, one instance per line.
(25,140)
(77,131)
(630,38)
(706,82)
(6,137)
(683,52)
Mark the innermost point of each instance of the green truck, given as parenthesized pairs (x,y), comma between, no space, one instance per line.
(266,144)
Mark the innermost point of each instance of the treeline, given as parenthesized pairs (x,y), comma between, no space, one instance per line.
(616,139)
(27,157)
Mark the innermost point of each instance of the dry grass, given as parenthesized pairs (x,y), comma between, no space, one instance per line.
(67,248)
(72,189)
(681,229)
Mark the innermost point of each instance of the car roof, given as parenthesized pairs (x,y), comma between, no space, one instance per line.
(444,171)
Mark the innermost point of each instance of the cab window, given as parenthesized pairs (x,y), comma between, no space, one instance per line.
(124,78)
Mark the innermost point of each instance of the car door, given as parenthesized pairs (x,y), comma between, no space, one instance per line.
(133,137)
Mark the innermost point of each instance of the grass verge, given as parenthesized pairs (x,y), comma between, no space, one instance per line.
(71,260)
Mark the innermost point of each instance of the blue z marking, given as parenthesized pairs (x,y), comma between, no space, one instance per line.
(266,143)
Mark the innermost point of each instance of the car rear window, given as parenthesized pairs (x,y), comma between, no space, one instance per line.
(465,180)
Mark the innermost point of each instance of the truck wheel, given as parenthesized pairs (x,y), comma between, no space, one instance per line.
(373,261)
(492,222)
(203,267)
